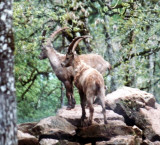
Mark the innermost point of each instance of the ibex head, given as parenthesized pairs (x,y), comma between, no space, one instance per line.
(71,51)
(47,44)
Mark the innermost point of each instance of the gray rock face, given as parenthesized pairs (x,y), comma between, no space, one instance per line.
(26,127)
(138,108)
(73,116)
(122,140)
(53,124)
(26,138)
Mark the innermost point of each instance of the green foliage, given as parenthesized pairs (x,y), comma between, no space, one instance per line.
(125,33)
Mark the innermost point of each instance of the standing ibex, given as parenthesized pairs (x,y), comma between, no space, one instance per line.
(66,74)
(89,81)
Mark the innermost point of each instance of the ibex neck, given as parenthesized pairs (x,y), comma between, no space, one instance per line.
(54,58)
(78,65)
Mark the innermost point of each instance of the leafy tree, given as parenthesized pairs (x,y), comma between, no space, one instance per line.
(125,33)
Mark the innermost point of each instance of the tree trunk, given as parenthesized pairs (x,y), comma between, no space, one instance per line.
(151,73)
(7,89)
(111,85)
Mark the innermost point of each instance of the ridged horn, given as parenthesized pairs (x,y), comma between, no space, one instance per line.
(75,42)
(52,36)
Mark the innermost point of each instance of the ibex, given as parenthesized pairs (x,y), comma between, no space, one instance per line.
(89,81)
(66,74)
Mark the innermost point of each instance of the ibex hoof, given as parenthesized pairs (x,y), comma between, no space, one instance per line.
(70,107)
(85,122)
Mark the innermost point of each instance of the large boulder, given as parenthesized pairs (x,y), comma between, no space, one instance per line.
(98,132)
(116,128)
(73,116)
(138,108)
(53,124)
(26,127)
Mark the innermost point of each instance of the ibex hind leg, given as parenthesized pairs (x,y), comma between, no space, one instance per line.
(83,104)
(101,98)
(91,111)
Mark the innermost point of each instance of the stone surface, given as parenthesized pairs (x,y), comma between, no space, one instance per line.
(73,116)
(26,139)
(26,127)
(148,142)
(150,122)
(48,142)
(96,132)
(138,108)
(105,131)
(122,140)
(131,96)
(53,124)
(21,135)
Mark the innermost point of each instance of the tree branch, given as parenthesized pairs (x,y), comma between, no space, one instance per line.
(32,80)
(130,56)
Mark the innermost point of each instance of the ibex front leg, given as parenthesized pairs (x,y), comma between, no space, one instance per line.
(69,93)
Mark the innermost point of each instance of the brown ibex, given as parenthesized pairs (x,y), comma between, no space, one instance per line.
(66,74)
(89,81)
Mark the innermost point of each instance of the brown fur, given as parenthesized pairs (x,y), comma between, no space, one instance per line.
(89,82)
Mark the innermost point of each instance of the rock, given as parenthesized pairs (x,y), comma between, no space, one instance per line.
(115,128)
(65,142)
(48,142)
(104,131)
(122,140)
(26,127)
(94,133)
(137,131)
(53,124)
(148,142)
(131,96)
(26,139)
(56,142)
(150,122)
(21,135)
(138,108)
(73,116)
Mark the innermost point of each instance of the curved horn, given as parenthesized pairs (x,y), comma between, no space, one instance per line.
(54,34)
(43,38)
(75,42)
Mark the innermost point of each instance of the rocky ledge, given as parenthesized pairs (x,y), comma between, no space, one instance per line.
(133,119)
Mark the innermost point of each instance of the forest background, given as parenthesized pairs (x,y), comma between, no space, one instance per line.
(125,32)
